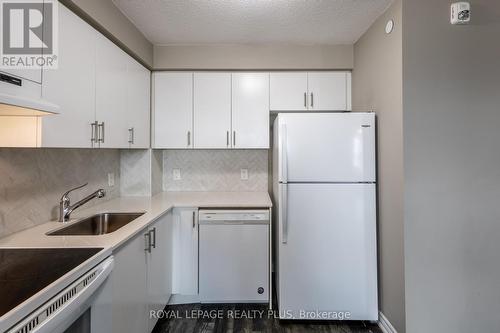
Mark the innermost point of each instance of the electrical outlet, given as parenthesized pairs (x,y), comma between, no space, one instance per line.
(176,174)
(244,174)
(111,179)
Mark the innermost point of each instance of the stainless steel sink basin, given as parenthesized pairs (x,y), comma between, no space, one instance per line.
(98,224)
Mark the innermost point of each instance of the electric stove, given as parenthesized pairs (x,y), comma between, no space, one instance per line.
(24,272)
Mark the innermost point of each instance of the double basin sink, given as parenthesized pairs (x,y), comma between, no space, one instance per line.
(98,224)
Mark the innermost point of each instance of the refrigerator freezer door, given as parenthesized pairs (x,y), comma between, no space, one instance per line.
(328,264)
(327,147)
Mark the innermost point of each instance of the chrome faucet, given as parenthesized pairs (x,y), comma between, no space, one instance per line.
(65,207)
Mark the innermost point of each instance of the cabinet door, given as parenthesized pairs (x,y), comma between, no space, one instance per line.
(111,94)
(212,110)
(138,110)
(71,85)
(160,265)
(173,110)
(130,287)
(288,91)
(327,91)
(250,110)
(185,251)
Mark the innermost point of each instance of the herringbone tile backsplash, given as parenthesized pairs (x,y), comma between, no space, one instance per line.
(33,180)
(215,170)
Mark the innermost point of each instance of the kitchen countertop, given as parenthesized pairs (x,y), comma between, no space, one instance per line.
(154,207)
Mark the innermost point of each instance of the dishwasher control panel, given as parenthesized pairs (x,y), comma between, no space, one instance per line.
(207,215)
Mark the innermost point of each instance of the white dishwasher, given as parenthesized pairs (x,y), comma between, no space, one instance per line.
(234,256)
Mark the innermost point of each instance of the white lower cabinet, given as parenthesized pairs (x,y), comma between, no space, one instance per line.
(130,286)
(185,251)
(141,278)
(160,266)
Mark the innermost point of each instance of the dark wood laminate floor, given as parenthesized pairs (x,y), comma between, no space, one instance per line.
(246,318)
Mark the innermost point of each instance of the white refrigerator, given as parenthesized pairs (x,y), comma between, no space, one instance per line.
(324,188)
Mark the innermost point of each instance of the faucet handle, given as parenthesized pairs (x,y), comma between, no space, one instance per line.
(76,188)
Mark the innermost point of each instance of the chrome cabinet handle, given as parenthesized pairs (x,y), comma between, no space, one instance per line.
(189,138)
(234,138)
(153,242)
(131,136)
(100,130)
(147,239)
(305,100)
(194,220)
(312,100)
(227,138)
(284,217)
(93,135)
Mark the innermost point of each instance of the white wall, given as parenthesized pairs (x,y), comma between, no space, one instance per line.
(451,103)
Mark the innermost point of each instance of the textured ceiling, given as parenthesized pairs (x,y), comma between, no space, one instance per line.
(252,21)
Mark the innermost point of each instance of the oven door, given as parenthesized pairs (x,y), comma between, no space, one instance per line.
(69,311)
(81,325)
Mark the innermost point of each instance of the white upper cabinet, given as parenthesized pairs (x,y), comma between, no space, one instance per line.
(212,110)
(220,110)
(138,104)
(250,110)
(111,94)
(313,91)
(327,91)
(173,110)
(288,91)
(71,85)
(103,93)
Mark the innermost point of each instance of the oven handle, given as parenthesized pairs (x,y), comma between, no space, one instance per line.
(63,317)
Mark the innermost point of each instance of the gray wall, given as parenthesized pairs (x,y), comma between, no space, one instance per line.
(451,96)
(108,19)
(377,85)
(253,57)
(33,180)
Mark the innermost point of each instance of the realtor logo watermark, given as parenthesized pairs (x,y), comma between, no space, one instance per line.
(28,34)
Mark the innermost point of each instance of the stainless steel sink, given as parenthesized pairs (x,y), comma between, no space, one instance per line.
(98,224)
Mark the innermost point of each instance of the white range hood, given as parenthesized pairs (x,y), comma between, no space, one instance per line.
(13,105)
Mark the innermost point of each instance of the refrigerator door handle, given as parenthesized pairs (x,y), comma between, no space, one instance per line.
(284,158)
(284,217)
